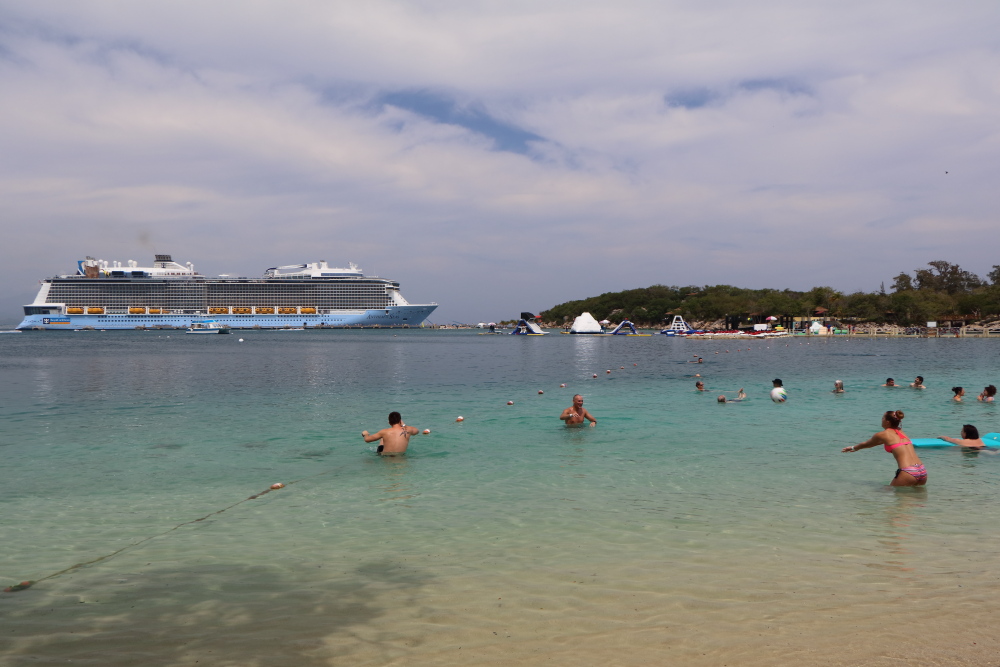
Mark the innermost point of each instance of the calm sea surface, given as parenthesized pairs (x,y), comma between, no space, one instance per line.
(678,531)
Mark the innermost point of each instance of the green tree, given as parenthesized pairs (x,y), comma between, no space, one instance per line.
(994,275)
(945,277)
(902,283)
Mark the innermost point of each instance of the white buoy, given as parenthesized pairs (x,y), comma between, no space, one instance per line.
(241,340)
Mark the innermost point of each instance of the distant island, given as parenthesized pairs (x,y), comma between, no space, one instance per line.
(943,293)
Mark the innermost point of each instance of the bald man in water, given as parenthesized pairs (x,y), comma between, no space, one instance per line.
(395,439)
(576,413)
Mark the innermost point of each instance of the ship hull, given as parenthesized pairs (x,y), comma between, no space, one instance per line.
(392,316)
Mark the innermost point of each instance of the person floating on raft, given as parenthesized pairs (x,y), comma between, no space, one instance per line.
(970,438)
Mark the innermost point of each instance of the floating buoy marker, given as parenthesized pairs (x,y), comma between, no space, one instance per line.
(427,431)
(540,391)
(460,418)
(510,402)
(277,485)
(562,386)
(18,587)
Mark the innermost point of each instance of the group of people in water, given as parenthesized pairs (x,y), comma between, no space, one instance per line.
(910,470)
(987,395)
(394,440)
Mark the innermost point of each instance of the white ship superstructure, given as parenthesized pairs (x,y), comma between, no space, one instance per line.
(109,295)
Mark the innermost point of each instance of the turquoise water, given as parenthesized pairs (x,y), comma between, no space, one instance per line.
(676,530)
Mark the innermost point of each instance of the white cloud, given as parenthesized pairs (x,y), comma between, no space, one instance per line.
(774,145)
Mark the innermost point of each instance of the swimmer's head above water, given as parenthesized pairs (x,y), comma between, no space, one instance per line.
(893,418)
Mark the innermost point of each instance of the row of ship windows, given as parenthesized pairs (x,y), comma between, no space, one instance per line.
(207,298)
(172,303)
(216,289)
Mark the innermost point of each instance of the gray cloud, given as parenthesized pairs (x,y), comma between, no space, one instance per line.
(496,158)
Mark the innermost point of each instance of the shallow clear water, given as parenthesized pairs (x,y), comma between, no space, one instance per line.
(678,529)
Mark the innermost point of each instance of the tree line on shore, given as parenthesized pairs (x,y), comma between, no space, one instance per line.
(942,292)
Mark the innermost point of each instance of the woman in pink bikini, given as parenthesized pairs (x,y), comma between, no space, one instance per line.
(910,471)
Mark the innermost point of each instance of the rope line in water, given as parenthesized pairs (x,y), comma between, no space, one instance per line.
(28,584)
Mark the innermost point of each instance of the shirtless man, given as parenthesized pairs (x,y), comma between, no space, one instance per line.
(576,413)
(394,439)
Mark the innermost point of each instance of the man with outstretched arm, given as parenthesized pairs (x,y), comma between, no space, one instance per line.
(395,439)
(576,413)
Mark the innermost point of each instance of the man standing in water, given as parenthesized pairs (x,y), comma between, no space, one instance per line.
(576,413)
(395,439)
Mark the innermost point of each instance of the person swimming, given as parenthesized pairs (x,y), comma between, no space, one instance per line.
(889,382)
(699,385)
(918,383)
(970,438)
(838,386)
(959,393)
(987,394)
(910,471)
(739,397)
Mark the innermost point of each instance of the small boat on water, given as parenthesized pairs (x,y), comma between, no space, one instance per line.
(207,327)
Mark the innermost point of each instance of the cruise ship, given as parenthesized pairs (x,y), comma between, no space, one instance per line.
(109,295)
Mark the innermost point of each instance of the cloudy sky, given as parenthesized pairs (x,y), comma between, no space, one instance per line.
(502,156)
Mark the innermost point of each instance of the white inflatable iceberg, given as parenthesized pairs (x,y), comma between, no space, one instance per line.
(585,324)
